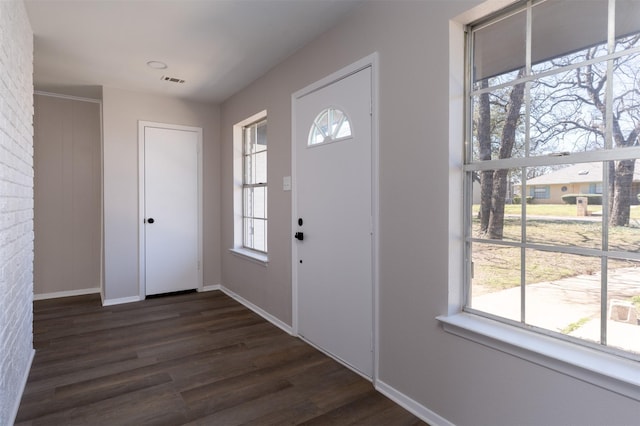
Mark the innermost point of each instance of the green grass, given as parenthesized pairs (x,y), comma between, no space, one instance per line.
(564,210)
(498,267)
(575,325)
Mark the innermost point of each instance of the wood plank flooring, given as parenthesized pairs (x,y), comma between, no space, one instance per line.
(188,359)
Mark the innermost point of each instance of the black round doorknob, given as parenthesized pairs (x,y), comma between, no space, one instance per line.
(150,220)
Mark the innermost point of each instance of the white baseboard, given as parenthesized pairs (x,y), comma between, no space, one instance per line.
(69,293)
(411,405)
(25,376)
(110,302)
(209,288)
(264,314)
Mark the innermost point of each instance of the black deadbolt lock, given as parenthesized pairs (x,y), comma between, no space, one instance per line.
(299,221)
(150,220)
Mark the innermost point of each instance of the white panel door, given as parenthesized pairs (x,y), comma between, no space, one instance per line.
(170,210)
(334,213)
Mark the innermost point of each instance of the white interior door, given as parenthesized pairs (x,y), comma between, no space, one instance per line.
(171,219)
(334,214)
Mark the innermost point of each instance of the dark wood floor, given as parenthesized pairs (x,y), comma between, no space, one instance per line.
(197,359)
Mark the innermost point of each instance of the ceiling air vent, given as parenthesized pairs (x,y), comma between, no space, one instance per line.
(172,79)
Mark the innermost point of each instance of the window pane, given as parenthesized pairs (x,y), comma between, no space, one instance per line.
(255,138)
(330,125)
(247,205)
(564,209)
(624,211)
(626,100)
(249,169)
(261,137)
(563,34)
(247,239)
(563,116)
(499,50)
(498,124)
(627,24)
(495,283)
(260,235)
(563,292)
(260,167)
(249,139)
(259,202)
(623,297)
(496,212)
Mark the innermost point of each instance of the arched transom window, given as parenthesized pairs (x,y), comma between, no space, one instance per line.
(330,125)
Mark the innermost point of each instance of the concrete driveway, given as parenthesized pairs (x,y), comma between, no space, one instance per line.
(572,305)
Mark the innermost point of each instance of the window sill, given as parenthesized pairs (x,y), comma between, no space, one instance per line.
(259,258)
(601,369)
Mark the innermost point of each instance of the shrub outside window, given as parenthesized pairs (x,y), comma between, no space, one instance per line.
(554,90)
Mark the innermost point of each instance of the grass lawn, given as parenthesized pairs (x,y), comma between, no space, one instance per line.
(498,267)
(565,210)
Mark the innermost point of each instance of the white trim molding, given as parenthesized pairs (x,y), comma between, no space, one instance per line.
(258,310)
(121,300)
(73,98)
(68,293)
(252,256)
(411,405)
(212,287)
(25,377)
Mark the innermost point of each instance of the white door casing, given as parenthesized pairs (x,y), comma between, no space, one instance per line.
(170,208)
(335,184)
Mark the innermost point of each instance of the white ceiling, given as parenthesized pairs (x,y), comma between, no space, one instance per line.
(217,46)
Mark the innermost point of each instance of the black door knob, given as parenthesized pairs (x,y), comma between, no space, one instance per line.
(150,220)
(299,236)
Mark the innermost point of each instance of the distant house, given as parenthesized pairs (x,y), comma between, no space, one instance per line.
(583,178)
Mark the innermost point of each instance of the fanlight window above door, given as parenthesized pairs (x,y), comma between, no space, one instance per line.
(330,125)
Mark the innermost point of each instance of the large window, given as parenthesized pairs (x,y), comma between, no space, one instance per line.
(254,186)
(554,88)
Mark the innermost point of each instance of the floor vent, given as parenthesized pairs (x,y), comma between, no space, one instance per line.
(172,79)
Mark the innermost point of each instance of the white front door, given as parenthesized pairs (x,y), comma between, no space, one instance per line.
(333,214)
(170,210)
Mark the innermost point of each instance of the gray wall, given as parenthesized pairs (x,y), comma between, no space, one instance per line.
(16,205)
(464,382)
(121,111)
(67,195)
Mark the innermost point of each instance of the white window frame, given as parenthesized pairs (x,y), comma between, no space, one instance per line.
(238,184)
(603,369)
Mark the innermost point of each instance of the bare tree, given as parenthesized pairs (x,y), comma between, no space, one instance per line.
(494,183)
(569,110)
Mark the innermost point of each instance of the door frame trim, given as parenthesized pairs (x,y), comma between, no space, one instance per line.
(370,61)
(141,199)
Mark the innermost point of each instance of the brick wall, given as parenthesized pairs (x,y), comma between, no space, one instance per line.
(16,204)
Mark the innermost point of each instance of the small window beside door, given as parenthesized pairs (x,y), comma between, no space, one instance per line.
(250,188)
(254,187)
(331,125)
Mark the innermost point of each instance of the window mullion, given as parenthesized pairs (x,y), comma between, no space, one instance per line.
(523,250)
(608,141)
(550,160)
(523,186)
